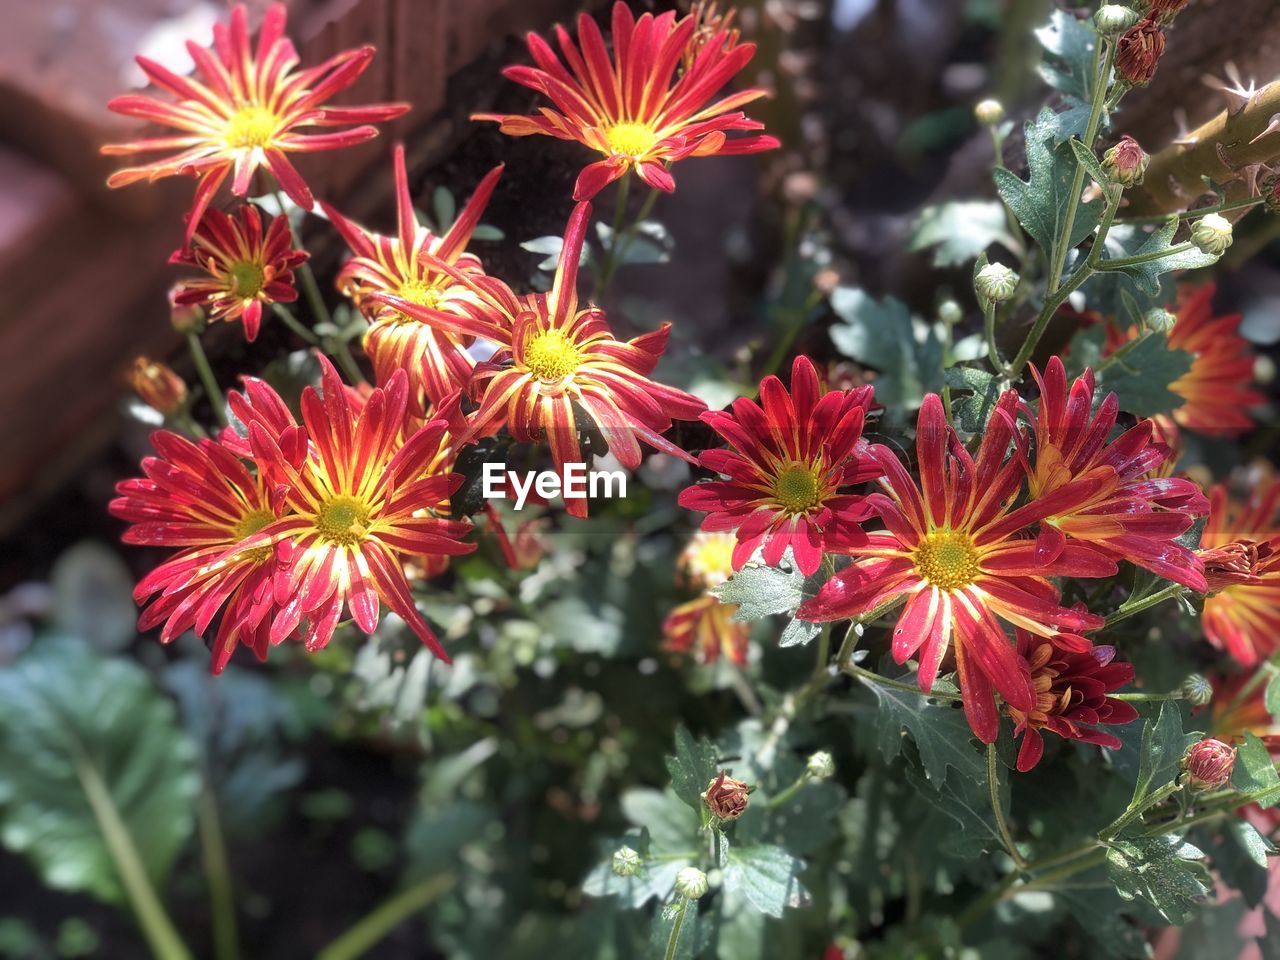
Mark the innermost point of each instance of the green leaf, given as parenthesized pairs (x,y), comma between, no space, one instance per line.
(1140,377)
(1255,845)
(93,596)
(960,230)
(767,877)
(941,733)
(1146,275)
(972,410)
(66,712)
(1269,945)
(881,334)
(759,591)
(1040,203)
(1163,745)
(1068,44)
(665,816)
(967,802)
(1092,900)
(444,206)
(654,880)
(1164,871)
(1255,772)
(692,767)
(1272,696)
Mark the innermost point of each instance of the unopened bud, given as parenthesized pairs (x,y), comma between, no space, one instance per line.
(1165,10)
(821,766)
(1159,320)
(949,312)
(995,283)
(691,883)
(1126,162)
(626,862)
(1197,690)
(184,316)
(1138,52)
(1113,19)
(1264,369)
(1208,764)
(726,797)
(158,386)
(1212,234)
(989,112)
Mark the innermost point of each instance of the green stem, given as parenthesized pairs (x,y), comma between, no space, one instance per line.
(777,801)
(1199,212)
(610,265)
(158,929)
(854,670)
(989,328)
(342,353)
(218,872)
(1136,811)
(674,940)
(1146,603)
(1119,263)
(292,322)
(1147,697)
(216,399)
(993,788)
(373,927)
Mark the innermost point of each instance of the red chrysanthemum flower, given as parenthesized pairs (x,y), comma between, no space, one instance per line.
(642,110)
(244,110)
(201,498)
(791,457)
(1071,697)
(1132,516)
(1243,617)
(958,555)
(361,503)
(247,267)
(704,625)
(435,359)
(553,356)
(1216,390)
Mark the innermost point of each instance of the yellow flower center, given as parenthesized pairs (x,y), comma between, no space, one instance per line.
(947,559)
(419,291)
(247,278)
(343,520)
(249,524)
(551,356)
(709,557)
(250,126)
(630,139)
(797,489)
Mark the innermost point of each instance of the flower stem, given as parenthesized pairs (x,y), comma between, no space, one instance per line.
(1136,811)
(368,931)
(1119,263)
(1147,697)
(1129,610)
(1199,212)
(610,265)
(777,801)
(216,399)
(221,899)
(997,808)
(854,670)
(292,322)
(673,941)
(160,933)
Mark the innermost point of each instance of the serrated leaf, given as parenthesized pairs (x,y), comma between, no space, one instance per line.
(1040,202)
(1272,696)
(1250,841)
(759,591)
(941,733)
(692,767)
(972,409)
(1092,900)
(967,803)
(1255,771)
(1163,745)
(1164,871)
(797,632)
(66,714)
(881,334)
(1146,275)
(767,877)
(960,230)
(1140,378)
(1069,45)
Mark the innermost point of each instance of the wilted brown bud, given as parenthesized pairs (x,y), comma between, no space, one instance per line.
(1138,52)
(1165,10)
(158,386)
(726,797)
(1126,162)
(1208,764)
(1232,563)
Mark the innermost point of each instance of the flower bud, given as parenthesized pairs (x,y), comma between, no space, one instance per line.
(1208,764)
(995,283)
(820,766)
(1138,52)
(726,797)
(949,312)
(1114,19)
(1264,369)
(626,862)
(184,318)
(691,883)
(1235,562)
(1126,162)
(1196,690)
(989,112)
(1212,234)
(1163,11)
(1159,320)
(158,386)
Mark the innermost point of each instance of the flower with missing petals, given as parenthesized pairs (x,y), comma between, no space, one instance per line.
(641,109)
(246,110)
(704,625)
(246,267)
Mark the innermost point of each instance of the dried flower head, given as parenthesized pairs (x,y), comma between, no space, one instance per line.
(1138,52)
(726,798)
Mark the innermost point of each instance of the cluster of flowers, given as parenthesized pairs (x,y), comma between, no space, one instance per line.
(281,525)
